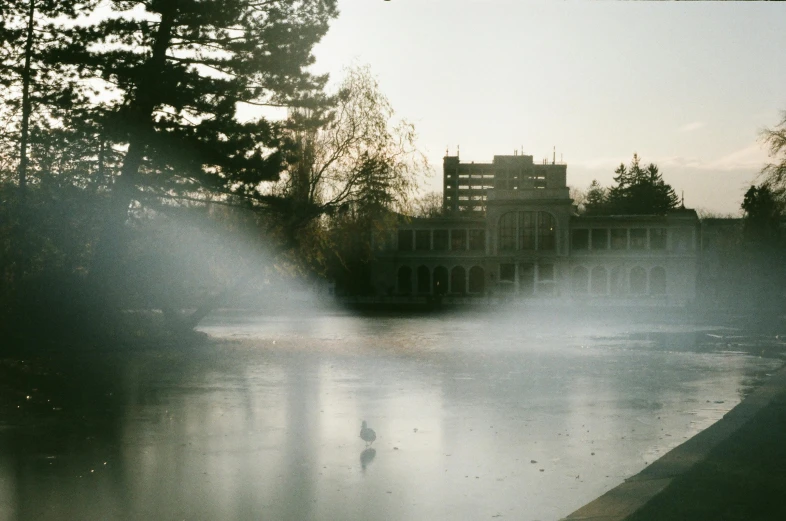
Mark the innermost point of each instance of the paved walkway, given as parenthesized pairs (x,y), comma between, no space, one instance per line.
(733,470)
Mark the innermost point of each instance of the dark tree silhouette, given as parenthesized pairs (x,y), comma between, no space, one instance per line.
(774,173)
(637,190)
(179,75)
(762,217)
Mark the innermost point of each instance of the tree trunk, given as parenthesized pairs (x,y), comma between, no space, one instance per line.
(27,108)
(107,265)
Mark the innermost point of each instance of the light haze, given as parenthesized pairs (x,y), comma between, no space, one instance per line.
(686,85)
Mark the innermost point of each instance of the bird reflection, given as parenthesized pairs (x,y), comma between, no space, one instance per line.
(367,456)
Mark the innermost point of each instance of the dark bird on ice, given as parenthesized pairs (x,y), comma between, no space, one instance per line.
(366,434)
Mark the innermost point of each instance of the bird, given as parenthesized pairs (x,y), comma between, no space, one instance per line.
(366,434)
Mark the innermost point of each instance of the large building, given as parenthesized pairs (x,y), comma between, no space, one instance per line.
(510,229)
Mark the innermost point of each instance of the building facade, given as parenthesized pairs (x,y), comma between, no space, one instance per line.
(511,230)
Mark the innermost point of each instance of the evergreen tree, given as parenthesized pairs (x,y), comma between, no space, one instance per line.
(762,216)
(179,74)
(596,201)
(34,89)
(640,191)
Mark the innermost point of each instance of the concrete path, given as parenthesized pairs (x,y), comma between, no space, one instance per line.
(622,501)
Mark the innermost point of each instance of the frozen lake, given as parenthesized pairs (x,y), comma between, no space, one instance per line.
(477,417)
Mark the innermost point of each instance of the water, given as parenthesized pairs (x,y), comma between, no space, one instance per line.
(476,418)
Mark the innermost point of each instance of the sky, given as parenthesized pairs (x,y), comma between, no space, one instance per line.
(686,85)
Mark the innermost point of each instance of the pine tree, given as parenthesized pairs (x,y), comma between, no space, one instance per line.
(179,74)
(763,211)
(596,203)
(640,191)
(34,89)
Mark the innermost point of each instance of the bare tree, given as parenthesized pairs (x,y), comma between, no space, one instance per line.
(774,173)
(428,205)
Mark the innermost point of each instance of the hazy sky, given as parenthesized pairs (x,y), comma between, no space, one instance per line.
(687,85)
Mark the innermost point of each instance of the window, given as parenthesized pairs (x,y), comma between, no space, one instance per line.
(638,281)
(458,280)
(598,281)
(424,280)
(458,239)
(534,230)
(507,232)
(546,284)
(547,235)
(477,240)
(507,272)
(504,180)
(579,239)
(440,240)
(638,239)
(658,238)
(619,239)
(579,280)
(682,239)
(617,281)
(423,239)
(476,279)
(405,240)
(405,280)
(440,280)
(527,230)
(657,281)
(546,273)
(526,279)
(600,239)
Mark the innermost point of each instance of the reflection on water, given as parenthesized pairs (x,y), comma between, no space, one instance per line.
(474,418)
(366,457)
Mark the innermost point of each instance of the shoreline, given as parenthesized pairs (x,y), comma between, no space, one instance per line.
(658,479)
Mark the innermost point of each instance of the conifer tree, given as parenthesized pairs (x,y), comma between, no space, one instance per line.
(640,191)
(179,74)
(596,201)
(32,91)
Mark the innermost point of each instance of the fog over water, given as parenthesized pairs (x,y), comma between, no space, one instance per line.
(476,416)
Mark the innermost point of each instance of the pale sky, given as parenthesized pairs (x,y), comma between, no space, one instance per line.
(687,85)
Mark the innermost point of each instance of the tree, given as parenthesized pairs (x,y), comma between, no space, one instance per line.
(596,199)
(774,173)
(429,205)
(351,166)
(640,191)
(33,89)
(178,74)
(762,216)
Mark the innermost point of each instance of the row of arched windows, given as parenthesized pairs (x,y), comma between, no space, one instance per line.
(527,231)
(618,281)
(441,281)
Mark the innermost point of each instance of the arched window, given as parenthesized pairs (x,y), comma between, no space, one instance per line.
(598,281)
(547,231)
(405,280)
(578,280)
(507,232)
(527,230)
(658,281)
(424,280)
(617,281)
(638,281)
(476,279)
(440,280)
(458,280)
